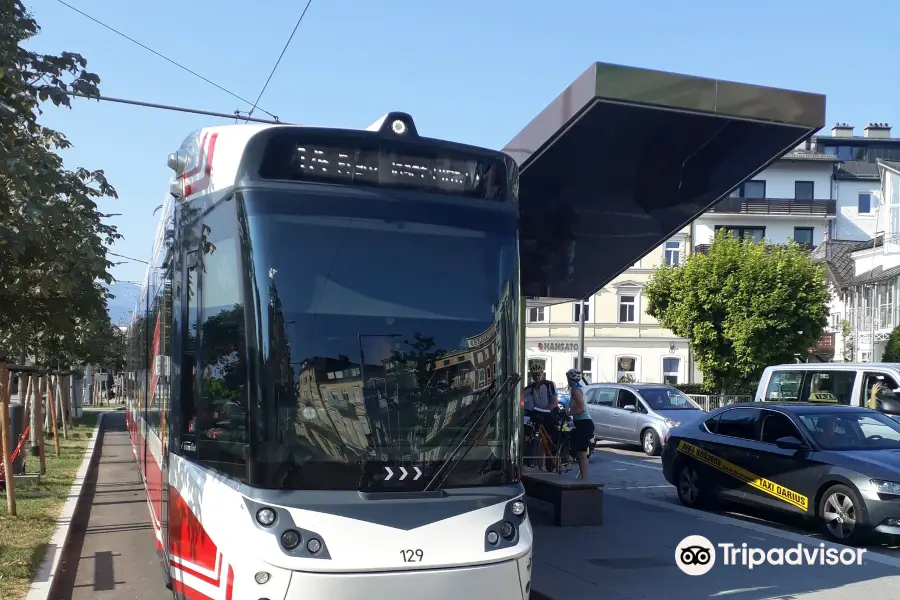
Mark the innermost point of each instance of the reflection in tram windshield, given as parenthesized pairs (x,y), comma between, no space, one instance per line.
(361,365)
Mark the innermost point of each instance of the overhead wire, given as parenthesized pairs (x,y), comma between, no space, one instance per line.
(278,62)
(195,111)
(166,58)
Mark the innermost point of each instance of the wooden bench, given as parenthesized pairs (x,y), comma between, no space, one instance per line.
(575,503)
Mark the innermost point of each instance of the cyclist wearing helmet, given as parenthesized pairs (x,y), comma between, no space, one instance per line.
(540,392)
(584,426)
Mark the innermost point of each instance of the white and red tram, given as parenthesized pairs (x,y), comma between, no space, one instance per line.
(322,383)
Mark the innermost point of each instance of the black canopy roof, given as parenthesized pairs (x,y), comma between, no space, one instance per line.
(626,157)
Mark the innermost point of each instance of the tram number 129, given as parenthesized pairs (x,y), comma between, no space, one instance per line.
(412,556)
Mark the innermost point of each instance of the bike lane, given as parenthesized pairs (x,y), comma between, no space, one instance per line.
(111,551)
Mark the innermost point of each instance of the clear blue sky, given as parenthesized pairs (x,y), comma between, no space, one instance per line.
(473,71)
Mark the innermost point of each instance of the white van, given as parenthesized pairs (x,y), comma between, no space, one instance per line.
(837,383)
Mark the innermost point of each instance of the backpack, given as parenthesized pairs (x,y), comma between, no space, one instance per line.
(533,394)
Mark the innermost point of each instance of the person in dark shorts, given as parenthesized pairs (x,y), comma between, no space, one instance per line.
(584,426)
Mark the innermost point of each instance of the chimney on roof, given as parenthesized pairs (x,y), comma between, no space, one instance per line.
(878,130)
(842,130)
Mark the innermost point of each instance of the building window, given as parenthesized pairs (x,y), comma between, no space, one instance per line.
(804,236)
(626,369)
(576,311)
(537,314)
(627,309)
(804,190)
(836,320)
(750,189)
(673,253)
(864,203)
(588,367)
(757,234)
(671,366)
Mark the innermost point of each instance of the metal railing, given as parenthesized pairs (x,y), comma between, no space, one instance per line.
(862,318)
(775,206)
(712,402)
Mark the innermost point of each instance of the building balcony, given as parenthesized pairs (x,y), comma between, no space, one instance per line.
(881,318)
(704,248)
(775,206)
(824,346)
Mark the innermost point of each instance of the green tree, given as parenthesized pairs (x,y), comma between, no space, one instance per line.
(52,236)
(743,306)
(892,348)
(846,330)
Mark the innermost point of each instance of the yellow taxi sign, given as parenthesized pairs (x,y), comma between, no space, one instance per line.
(823,397)
(769,487)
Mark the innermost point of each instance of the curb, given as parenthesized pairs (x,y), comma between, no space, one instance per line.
(43,581)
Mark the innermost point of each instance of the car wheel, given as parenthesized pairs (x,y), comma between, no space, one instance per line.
(690,488)
(650,442)
(842,515)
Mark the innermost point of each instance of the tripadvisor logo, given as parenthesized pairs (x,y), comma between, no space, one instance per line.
(696,555)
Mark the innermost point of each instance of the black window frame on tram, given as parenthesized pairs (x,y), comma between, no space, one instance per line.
(212,413)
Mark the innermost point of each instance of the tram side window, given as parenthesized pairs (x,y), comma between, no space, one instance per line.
(188,380)
(154,342)
(222,408)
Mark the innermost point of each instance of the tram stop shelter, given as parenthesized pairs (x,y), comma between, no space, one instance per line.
(624,158)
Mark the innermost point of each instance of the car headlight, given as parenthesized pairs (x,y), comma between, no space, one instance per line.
(672,424)
(887,487)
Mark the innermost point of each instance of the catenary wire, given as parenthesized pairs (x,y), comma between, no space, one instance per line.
(277,62)
(166,58)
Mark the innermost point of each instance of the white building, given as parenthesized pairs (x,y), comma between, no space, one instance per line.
(794,199)
(862,269)
(621,340)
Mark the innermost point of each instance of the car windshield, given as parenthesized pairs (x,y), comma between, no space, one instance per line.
(660,398)
(867,430)
(389,322)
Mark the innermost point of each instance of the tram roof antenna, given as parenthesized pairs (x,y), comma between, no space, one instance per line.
(195,111)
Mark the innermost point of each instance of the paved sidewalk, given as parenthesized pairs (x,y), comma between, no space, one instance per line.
(111,551)
(632,557)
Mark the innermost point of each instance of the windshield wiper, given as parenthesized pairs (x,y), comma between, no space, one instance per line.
(437,481)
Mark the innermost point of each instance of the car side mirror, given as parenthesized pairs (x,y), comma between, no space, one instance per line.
(630,408)
(790,443)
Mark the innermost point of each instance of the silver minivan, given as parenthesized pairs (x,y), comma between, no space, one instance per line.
(640,414)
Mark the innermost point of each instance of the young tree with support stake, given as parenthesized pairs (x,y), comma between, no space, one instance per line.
(743,306)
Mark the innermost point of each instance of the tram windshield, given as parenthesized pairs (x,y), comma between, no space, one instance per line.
(387,323)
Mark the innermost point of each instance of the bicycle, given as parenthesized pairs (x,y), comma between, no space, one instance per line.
(552,456)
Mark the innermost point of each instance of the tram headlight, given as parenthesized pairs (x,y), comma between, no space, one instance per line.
(265,517)
(314,545)
(492,537)
(262,577)
(290,539)
(507,530)
(518,508)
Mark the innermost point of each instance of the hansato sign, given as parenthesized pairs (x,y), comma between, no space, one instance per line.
(558,346)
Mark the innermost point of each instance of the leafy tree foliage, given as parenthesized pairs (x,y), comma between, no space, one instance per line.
(52,237)
(743,306)
(892,348)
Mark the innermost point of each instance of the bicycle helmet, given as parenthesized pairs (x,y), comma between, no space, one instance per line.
(573,376)
(536,370)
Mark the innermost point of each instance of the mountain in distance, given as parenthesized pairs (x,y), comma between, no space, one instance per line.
(126,297)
